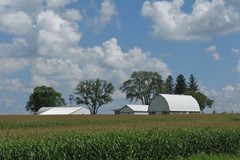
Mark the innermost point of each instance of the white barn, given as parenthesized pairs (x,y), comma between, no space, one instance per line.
(134,109)
(63,111)
(174,104)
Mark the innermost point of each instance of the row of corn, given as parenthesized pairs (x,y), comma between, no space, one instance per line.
(148,144)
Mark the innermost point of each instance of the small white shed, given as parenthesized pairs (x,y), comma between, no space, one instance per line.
(134,109)
(174,104)
(63,111)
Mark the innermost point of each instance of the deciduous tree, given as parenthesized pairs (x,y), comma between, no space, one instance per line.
(143,86)
(94,94)
(44,96)
(202,99)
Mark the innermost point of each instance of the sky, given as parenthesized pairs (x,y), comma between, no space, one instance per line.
(59,43)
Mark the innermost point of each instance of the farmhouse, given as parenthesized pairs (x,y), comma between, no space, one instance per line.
(132,109)
(173,104)
(63,111)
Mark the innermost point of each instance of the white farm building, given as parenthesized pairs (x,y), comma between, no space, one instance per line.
(132,109)
(63,111)
(173,104)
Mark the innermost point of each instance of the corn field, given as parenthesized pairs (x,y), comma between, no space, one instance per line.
(117,137)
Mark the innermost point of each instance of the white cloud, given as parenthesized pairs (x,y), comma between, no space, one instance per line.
(31,6)
(213,51)
(106,61)
(8,65)
(18,23)
(105,14)
(6,101)
(235,50)
(14,85)
(55,33)
(204,22)
(228,88)
(227,99)
(18,47)
(55,4)
(73,15)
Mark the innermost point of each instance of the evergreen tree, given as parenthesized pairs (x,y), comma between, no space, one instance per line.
(181,86)
(169,85)
(192,84)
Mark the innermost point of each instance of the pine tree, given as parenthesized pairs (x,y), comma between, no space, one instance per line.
(169,85)
(192,84)
(181,86)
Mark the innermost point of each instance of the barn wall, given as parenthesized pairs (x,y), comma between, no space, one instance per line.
(158,104)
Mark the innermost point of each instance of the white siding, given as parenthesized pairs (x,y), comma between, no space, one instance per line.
(134,109)
(141,113)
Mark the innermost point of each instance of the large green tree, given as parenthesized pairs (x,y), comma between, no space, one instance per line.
(44,96)
(181,86)
(192,84)
(94,94)
(143,86)
(169,85)
(202,99)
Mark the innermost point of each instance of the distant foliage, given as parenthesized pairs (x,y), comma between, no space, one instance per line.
(44,96)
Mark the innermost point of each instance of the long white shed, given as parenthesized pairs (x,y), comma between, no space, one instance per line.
(63,111)
(173,104)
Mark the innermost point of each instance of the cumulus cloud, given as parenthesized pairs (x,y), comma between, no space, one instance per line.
(73,15)
(106,61)
(214,53)
(17,48)
(202,23)
(8,65)
(55,33)
(18,23)
(6,101)
(235,50)
(14,85)
(105,14)
(227,99)
(55,4)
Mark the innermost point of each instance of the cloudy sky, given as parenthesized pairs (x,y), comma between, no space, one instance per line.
(61,42)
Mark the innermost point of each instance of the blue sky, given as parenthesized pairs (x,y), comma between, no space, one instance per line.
(61,42)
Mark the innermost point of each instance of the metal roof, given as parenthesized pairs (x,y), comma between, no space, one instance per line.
(138,108)
(60,110)
(181,102)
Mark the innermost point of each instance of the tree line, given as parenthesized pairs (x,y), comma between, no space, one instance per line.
(142,86)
